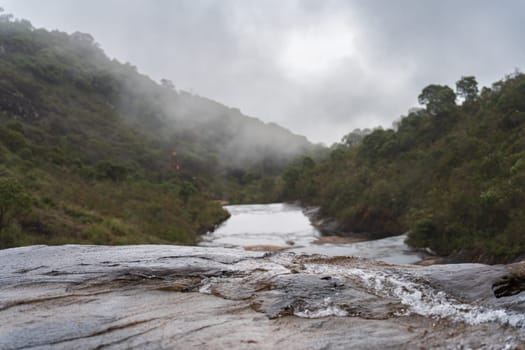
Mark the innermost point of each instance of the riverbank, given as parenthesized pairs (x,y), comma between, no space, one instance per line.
(330,227)
(335,231)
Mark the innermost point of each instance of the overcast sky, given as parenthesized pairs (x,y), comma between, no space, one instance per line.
(319,68)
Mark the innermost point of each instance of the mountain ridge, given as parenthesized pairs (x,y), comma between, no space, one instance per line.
(109,156)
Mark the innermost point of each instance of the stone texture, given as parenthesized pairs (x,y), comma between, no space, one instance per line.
(88,297)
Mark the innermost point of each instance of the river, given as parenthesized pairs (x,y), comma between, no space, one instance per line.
(230,293)
(286,227)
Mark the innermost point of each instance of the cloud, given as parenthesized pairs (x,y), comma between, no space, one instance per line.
(320,68)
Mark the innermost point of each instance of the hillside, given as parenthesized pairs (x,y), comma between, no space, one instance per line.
(452,175)
(92,151)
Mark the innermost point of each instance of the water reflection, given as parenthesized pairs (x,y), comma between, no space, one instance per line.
(284,226)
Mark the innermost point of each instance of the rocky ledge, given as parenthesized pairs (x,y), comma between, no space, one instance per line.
(88,297)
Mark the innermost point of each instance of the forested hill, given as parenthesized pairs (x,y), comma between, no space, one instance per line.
(452,175)
(200,129)
(91,151)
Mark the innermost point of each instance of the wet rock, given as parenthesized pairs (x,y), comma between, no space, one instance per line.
(192,297)
(512,283)
(265,248)
(337,240)
(310,296)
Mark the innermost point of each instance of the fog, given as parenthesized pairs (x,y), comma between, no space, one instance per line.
(202,130)
(319,68)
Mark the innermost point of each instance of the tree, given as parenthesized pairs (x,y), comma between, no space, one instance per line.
(380,143)
(467,87)
(355,137)
(167,84)
(14,201)
(291,178)
(84,38)
(437,99)
(308,163)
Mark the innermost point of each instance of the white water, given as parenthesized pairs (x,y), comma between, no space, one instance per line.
(285,225)
(419,298)
(94,296)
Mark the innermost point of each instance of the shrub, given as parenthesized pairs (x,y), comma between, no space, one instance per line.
(13,139)
(111,170)
(14,201)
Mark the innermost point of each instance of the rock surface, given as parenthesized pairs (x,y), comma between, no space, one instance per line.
(88,297)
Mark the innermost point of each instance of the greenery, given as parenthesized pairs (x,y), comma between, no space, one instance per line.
(14,201)
(451,175)
(91,151)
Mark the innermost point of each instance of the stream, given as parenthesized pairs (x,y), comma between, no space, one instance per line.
(283,226)
(262,280)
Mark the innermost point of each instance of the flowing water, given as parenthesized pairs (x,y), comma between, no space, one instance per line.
(285,226)
(232,293)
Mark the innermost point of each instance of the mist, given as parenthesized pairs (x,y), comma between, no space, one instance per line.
(199,126)
(320,69)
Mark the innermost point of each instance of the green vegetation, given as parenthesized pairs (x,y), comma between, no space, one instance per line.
(452,175)
(14,201)
(91,151)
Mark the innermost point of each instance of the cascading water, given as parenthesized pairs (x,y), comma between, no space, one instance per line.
(225,295)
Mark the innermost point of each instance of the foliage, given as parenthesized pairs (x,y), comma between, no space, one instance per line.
(453,176)
(112,157)
(14,140)
(78,166)
(438,99)
(110,170)
(467,87)
(14,201)
(355,137)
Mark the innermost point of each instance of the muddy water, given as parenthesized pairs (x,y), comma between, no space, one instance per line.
(285,227)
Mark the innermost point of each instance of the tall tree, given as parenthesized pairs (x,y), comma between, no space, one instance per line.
(467,87)
(437,99)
